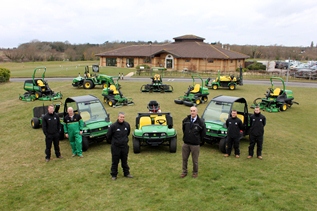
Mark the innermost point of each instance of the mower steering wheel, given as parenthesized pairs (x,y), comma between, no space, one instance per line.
(161,121)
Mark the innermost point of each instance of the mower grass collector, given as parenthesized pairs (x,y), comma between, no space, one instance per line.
(90,81)
(276,99)
(154,129)
(217,112)
(38,89)
(195,95)
(96,119)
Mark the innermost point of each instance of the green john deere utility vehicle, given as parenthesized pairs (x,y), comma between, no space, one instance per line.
(195,95)
(114,97)
(157,83)
(276,99)
(217,112)
(154,129)
(228,81)
(38,89)
(89,81)
(95,117)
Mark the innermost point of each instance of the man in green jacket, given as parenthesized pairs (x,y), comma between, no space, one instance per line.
(73,128)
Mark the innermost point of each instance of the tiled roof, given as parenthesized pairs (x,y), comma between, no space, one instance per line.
(188,49)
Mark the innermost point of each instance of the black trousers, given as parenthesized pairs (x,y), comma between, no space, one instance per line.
(119,153)
(258,140)
(235,142)
(49,140)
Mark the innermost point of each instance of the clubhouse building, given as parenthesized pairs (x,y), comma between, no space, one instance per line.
(188,52)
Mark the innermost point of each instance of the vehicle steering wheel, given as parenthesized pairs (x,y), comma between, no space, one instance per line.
(161,121)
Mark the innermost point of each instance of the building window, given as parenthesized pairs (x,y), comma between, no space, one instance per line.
(187,60)
(231,61)
(210,61)
(111,62)
(147,60)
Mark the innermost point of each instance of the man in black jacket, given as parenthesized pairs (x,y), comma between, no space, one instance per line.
(51,126)
(234,126)
(257,123)
(194,130)
(118,134)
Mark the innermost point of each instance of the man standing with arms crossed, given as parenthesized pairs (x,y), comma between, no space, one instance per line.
(51,126)
(118,134)
(234,125)
(194,130)
(257,123)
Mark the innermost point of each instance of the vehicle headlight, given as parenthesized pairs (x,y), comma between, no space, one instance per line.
(85,131)
(146,134)
(163,134)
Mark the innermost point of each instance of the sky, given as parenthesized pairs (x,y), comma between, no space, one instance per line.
(244,22)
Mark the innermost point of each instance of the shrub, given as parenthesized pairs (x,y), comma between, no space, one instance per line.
(256,66)
(145,67)
(243,69)
(4,75)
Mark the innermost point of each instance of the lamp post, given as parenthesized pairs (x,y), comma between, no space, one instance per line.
(150,43)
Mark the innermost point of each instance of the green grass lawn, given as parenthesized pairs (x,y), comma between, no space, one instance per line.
(284,180)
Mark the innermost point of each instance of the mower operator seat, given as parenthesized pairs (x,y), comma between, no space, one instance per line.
(276,92)
(40,83)
(114,89)
(145,120)
(196,88)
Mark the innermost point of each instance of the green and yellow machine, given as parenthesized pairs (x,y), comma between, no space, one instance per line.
(226,81)
(157,82)
(38,89)
(276,99)
(113,96)
(195,95)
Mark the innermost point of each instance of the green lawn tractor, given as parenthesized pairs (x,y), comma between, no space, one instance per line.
(89,81)
(217,112)
(95,117)
(228,81)
(154,129)
(114,97)
(38,89)
(276,99)
(157,85)
(195,95)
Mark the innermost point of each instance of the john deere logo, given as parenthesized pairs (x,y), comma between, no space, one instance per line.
(154,134)
(99,128)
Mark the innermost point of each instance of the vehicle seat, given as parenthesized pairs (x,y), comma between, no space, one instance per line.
(241,117)
(114,89)
(145,120)
(223,117)
(85,115)
(160,118)
(276,92)
(40,83)
(196,88)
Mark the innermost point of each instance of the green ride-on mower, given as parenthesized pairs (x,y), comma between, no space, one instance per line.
(95,117)
(195,95)
(276,99)
(157,85)
(89,81)
(228,81)
(217,112)
(114,97)
(38,89)
(154,129)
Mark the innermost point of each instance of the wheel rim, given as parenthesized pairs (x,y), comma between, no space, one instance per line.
(284,107)
(198,102)
(37,95)
(105,86)
(214,86)
(110,103)
(32,123)
(87,85)
(231,87)
(205,99)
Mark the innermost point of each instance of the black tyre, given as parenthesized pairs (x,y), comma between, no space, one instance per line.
(223,145)
(204,99)
(136,145)
(105,100)
(111,103)
(283,107)
(178,101)
(88,84)
(35,123)
(232,86)
(85,143)
(173,145)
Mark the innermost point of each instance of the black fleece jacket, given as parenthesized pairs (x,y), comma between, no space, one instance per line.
(118,133)
(51,124)
(234,126)
(257,123)
(193,133)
